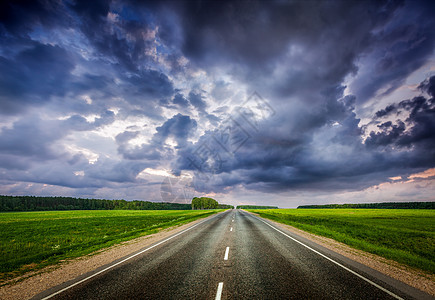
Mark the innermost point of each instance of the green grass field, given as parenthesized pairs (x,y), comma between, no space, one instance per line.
(32,240)
(404,235)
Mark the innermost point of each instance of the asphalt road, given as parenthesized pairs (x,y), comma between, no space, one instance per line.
(234,255)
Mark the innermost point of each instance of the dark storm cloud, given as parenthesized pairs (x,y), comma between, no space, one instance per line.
(149,85)
(10,162)
(402,47)
(77,59)
(80,123)
(416,132)
(196,99)
(314,141)
(93,10)
(37,73)
(388,135)
(33,76)
(19,17)
(33,73)
(104,173)
(126,136)
(30,137)
(122,39)
(33,137)
(31,151)
(88,82)
(343,161)
(144,151)
(257,33)
(254,37)
(179,127)
(324,152)
(429,86)
(386,111)
(180,100)
(124,171)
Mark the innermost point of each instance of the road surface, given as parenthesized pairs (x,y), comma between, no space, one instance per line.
(234,255)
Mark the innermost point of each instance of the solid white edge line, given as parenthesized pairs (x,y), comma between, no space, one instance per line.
(219,291)
(337,263)
(226,253)
(120,262)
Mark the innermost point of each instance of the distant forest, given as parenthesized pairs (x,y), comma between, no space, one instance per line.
(384,205)
(33,203)
(256,207)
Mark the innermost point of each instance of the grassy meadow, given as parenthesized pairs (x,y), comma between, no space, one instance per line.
(404,235)
(32,240)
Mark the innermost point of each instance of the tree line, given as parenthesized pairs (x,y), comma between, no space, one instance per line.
(34,203)
(256,207)
(384,205)
(208,203)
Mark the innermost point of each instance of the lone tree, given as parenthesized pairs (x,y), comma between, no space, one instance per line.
(204,203)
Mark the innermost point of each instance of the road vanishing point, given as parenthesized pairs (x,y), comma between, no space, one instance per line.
(234,255)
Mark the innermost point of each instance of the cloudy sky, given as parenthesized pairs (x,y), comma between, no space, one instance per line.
(262,102)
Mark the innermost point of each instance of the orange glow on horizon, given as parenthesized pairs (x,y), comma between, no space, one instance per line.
(426,174)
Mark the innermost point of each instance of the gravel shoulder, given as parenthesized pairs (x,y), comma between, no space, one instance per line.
(31,284)
(412,277)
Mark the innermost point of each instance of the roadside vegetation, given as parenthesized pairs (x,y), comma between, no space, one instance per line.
(404,235)
(256,207)
(32,240)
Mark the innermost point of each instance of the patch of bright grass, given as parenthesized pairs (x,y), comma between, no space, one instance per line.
(32,240)
(404,235)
